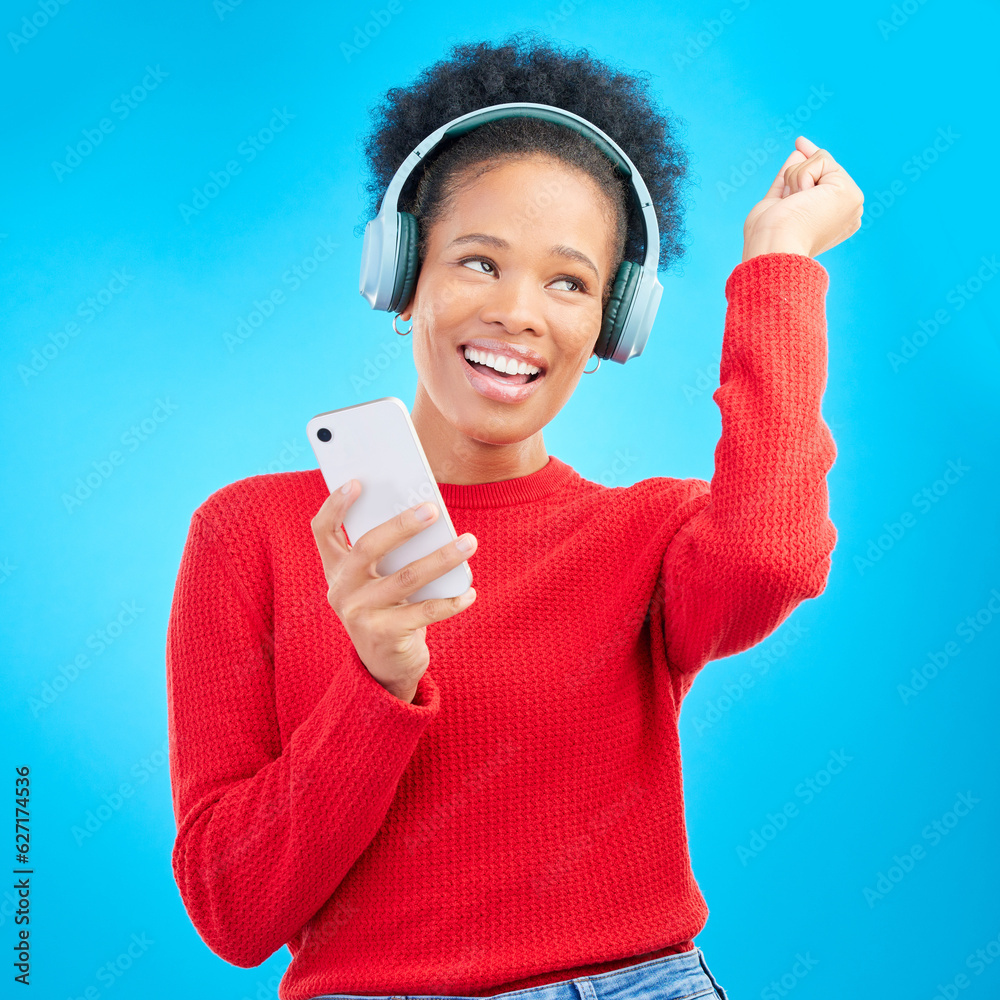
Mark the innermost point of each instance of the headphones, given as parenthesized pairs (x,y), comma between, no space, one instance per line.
(389,255)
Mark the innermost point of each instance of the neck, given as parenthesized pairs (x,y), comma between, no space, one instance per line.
(457,457)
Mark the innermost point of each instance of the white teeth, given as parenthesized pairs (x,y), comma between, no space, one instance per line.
(500,362)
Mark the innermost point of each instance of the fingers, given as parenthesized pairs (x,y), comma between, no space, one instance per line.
(807,146)
(370,548)
(411,577)
(774,191)
(434,609)
(807,174)
(349,568)
(818,167)
(327,528)
(806,166)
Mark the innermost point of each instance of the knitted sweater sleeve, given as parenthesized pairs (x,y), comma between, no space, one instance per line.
(265,832)
(759,540)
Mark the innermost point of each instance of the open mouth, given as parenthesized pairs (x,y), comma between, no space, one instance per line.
(503,376)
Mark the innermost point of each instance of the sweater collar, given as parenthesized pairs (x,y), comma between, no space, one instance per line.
(554,475)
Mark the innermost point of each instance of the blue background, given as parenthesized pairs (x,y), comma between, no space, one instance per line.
(756,726)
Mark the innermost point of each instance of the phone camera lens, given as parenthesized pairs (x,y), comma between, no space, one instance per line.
(323,434)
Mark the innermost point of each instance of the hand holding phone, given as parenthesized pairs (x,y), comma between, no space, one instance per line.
(389,555)
(389,635)
(376,443)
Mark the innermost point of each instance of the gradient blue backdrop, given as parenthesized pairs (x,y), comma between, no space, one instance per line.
(913,380)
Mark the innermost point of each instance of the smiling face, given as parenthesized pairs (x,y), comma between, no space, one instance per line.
(517,265)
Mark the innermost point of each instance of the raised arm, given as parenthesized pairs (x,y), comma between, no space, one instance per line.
(266,833)
(759,541)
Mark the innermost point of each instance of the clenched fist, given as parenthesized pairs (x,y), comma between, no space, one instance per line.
(811,206)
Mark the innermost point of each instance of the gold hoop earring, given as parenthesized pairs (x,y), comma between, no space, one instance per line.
(585,372)
(402,333)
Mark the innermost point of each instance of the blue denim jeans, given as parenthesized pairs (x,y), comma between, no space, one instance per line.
(684,976)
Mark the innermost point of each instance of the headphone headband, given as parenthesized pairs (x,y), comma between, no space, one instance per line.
(388,265)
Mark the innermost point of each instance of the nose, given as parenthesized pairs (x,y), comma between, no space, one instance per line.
(515,302)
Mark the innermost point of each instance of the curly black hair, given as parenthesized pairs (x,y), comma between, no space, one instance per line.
(526,67)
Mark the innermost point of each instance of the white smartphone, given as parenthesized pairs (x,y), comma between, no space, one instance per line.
(377,444)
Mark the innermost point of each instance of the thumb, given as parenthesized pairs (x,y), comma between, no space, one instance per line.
(328,525)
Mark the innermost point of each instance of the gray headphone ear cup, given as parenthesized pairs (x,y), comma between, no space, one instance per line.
(617,309)
(406,261)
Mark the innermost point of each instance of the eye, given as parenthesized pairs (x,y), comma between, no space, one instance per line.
(580,286)
(479,260)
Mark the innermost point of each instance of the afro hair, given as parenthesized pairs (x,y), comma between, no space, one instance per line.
(526,67)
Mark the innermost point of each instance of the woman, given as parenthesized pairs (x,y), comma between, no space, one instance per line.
(495,804)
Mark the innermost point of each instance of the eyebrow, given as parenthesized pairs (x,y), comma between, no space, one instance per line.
(559,249)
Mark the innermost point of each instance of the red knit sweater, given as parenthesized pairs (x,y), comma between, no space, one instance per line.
(521,821)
